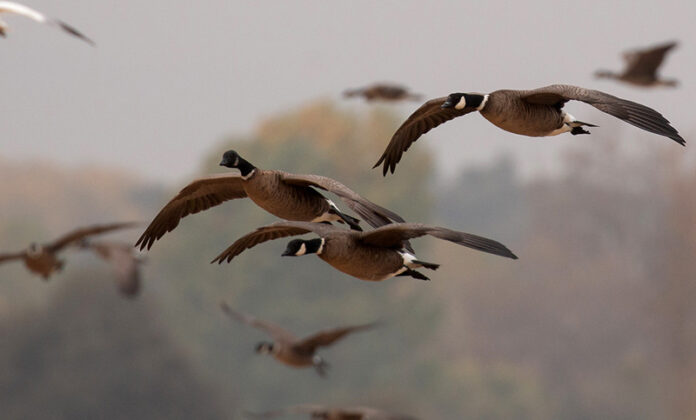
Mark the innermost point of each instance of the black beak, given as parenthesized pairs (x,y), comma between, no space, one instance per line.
(286,253)
(222,162)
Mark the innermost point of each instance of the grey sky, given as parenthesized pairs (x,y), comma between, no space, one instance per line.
(165,84)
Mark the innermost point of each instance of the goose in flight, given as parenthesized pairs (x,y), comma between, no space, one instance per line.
(641,67)
(290,350)
(285,195)
(534,113)
(42,259)
(9,7)
(373,256)
(383,92)
(124,262)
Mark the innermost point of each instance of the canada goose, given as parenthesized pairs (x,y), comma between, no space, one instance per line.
(535,113)
(641,67)
(124,262)
(41,259)
(20,9)
(373,256)
(323,412)
(383,92)
(282,194)
(290,350)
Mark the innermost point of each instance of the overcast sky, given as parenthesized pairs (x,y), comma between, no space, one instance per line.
(165,84)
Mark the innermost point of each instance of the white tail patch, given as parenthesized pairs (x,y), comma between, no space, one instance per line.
(328,216)
(568,121)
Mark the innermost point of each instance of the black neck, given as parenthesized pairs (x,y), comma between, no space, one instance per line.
(473,99)
(245,167)
(313,245)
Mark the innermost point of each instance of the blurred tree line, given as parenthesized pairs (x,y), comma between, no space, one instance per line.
(593,321)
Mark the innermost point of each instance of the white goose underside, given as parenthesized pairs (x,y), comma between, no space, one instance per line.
(408,264)
(568,121)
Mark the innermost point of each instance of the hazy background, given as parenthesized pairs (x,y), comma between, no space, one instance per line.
(595,320)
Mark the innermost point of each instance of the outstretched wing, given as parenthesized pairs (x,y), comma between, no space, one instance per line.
(81,233)
(633,113)
(273,231)
(276,332)
(646,62)
(11,256)
(197,196)
(372,213)
(428,116)
(327,337)
(393,236)
(124,262)
(22,10)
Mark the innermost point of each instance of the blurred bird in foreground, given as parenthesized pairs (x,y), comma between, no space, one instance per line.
(290,350)
(42,259)
(383,92)
(124,262)
(321,412)
(9,7)
(641,67)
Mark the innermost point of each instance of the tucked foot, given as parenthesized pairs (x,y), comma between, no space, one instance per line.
(578,130)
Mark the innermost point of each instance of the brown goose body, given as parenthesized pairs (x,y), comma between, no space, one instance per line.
(372,263)
(290,202)
(505,109)
(42,263)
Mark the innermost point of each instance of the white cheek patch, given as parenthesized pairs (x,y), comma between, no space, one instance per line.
(236,161)
(461,104)
(302,250)
(321,247)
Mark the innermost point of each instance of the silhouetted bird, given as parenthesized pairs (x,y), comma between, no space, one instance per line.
(641,67)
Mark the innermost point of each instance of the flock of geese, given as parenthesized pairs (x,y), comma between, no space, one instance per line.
(384,251)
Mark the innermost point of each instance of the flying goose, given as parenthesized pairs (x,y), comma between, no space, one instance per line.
(42,259)
(383,92)
(290,350)
(374,256)
(641,67)
(288,196)
(20,9)
(123,261)
(322,412)
(535,113)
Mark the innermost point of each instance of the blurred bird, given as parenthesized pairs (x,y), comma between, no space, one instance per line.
(42,259)
(290,350)
(322,412)
(383,92)
(19,9)
(286,195)
(124,262)
(641,67)
(373,256)
(534,113)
